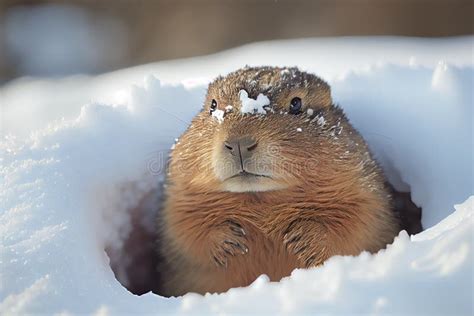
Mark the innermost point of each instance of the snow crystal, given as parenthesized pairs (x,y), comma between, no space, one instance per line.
(253,106)
(309,112)
(299,129)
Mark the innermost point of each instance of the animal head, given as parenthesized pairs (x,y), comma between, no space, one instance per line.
(263,129)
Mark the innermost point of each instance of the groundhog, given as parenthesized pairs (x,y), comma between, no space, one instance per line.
(270,176)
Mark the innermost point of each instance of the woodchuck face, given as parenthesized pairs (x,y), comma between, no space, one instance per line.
(264,129)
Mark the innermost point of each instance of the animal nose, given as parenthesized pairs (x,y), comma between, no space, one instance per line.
(242,147)
(243,144)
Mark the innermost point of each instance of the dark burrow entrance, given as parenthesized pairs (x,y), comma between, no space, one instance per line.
(136,264)
(408,212)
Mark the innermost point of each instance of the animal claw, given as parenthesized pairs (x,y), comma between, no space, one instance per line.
(236,228)
(235,244)
(220,262)
(239,231)
(227,251)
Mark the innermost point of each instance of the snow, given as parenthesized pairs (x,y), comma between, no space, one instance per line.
(320,120)
(68,185)
(218,115)
(253,106)
(36,101)
(423,136)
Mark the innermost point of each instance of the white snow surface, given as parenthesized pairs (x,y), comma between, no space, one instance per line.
(67,185)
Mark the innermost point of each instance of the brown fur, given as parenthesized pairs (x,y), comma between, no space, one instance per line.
(333,200)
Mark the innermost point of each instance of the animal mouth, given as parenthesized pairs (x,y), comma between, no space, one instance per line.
(245,181)
(246,175)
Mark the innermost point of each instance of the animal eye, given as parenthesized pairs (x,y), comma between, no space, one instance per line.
(213,106)
(295,106)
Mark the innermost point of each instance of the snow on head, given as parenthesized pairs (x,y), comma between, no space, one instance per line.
(218,115)
(252,106)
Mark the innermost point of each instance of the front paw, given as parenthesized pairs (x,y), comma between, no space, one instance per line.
(306,239)
(228,241)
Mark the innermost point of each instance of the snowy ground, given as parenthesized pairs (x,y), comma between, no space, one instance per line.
(68,185)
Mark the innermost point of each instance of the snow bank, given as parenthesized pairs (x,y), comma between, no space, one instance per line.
(67,192)
(419,123)
(38,101)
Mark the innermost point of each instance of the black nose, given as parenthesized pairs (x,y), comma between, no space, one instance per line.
(241,147)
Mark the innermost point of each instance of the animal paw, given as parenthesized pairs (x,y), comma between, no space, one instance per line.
(306,240)
(229,240)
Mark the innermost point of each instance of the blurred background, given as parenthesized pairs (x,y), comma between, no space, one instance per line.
(52,38)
